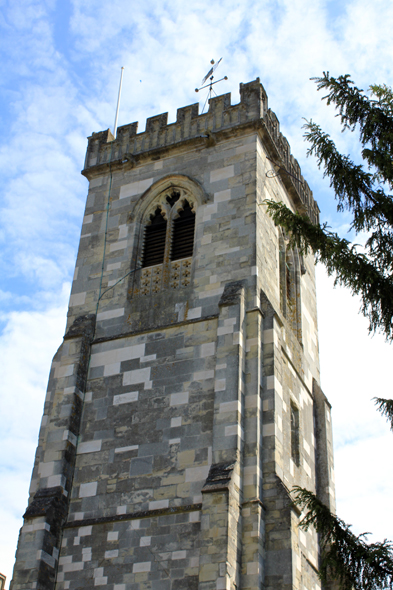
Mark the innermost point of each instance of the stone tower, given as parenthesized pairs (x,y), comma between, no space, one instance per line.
(184,402)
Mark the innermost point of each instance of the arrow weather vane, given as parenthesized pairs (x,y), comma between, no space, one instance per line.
(211,83)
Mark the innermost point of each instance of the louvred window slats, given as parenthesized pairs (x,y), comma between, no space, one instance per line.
(154,243)
(183,234)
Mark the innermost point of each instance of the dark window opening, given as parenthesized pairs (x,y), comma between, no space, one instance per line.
(154,243)
(282,278)
(171,199)
(295,434)
(183,234)
(289,283)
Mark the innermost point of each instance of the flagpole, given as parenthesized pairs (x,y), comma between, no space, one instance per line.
(118,104)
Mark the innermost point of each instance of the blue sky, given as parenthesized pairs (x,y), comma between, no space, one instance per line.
(60,67)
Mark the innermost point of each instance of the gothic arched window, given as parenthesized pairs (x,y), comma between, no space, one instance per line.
(168,242)
(290,272)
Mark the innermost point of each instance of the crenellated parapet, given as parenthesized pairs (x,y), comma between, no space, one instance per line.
(189,124)
(290,170)
(221,120)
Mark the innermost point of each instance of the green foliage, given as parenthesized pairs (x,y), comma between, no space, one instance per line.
(385,406)
(361,189)
(345,557)
(352,268)
(368,271)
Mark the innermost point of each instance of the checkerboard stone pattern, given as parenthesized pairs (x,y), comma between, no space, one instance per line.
(184,403)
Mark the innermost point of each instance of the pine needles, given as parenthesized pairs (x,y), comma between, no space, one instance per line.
(345,557)
(361,189)
(385,406)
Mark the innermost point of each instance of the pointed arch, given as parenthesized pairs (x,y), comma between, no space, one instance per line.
(165,217)
(187,187)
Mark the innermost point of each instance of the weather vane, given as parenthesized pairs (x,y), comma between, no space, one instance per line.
(211,83)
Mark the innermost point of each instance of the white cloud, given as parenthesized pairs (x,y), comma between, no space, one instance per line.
(365,480)
(27,344)
(355,368)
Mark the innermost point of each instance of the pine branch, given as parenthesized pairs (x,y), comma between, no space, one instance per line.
(353,187)
(351,268)
(385,406)
(357,190)
(384,95)
(380,250)
(374,118)
(345,557)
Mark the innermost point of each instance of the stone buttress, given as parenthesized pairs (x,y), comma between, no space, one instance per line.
(184,402)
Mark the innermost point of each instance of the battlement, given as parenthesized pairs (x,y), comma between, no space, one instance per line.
(221,119)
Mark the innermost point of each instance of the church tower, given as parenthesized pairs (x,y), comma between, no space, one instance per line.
(184,402)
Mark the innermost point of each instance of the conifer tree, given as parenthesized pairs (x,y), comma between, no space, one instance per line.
(363,190)
(346,558)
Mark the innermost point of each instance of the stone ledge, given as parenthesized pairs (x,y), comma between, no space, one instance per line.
(219,478)
(255,501)
(232,293)
(133,516)
(154,329)
(47,502)
(83,326)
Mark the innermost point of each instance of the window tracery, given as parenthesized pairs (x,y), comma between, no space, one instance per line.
(168,242)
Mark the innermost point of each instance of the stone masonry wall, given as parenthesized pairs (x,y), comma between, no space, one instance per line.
(167,450)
